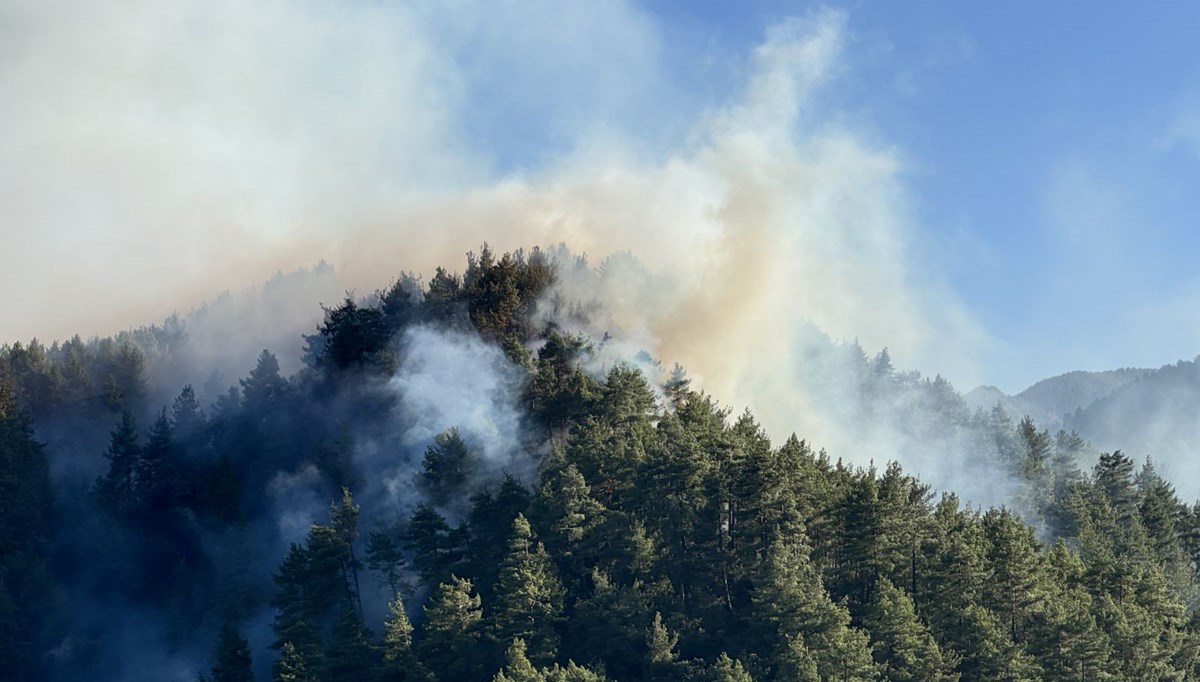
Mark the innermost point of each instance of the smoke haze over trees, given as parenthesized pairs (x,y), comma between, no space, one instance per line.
(479,476)
(698,453)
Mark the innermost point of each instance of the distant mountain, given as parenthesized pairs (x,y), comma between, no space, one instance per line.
(1066,393)
(1049,401)
(985,398)
(1151,413)
(1156,415)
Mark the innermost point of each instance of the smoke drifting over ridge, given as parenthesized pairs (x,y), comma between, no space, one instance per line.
(200,146)
(188,148)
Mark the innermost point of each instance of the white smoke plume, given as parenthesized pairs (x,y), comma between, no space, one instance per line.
(455,381)
(159,152)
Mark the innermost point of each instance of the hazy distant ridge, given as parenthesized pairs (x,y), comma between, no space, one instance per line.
(1050,400)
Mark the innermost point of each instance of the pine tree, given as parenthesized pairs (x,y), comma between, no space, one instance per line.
(397,631)
(187,417)
(517,667)
(117,489)
(1068,449)
(1012,587)
(1159,511)
(987,651)
(233,657)
(489,525)
(560,392)
(351,656)
(156,470)
(571,673)
(565,514)
(343,519)
(796,662)
(1035,467)
(350,336)
(766,506)
(449,644)
(677,386)
(729,670)
(264,385)
(27,528)
(399,658)
(791,602)
(443,299)
(1113,474)
(435,548)
(386,559)
(901,644)
(293,601)
(661,642)
(529,597)
(448,466)
(607,624)
(293,666)
(1066,641)
(671,493)
(861,559)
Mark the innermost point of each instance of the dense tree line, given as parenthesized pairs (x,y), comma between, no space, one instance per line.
(662,538)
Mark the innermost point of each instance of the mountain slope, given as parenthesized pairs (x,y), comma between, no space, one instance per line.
(502,501)
(1049,400)
(1157,416)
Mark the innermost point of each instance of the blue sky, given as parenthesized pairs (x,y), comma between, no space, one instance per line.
(1048,154)
(996,191)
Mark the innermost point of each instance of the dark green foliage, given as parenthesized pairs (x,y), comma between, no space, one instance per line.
(116,490)
(264,386)
(447,468)
(489,525)
(351,336)
(517,666)
(317,590)
(1114,477)
(399,304)
(443,299)
(792,603)
(400,660)
(294,666)
(156,468)
(187,416)
(986,651)
(386,559)
(728,670)
(451,635)
(436,549)
(644,533)
(529,596)
(560,392)
(900,643)
(122,367)
(232,657)
(351,655)
(500,294)
(26,532)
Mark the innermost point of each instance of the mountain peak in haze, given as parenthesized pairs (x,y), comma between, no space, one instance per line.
(1048,401)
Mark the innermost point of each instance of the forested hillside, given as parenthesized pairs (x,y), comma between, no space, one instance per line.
(1157,413)
(458,485)
(1053,400)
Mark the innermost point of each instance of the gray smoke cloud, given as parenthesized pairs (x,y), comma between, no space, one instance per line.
(198,145)
(449,380)
(156,154)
